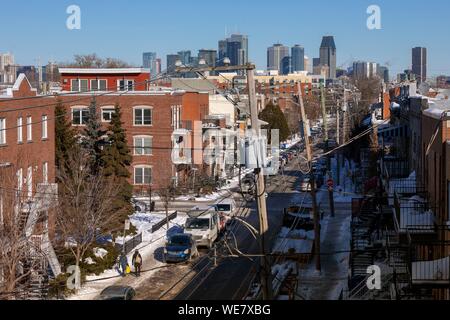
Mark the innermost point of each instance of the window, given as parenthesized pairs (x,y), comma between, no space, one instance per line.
(107,114)
(44,127)
(19,180)
(176,117)
(19,130)
(142,175)
(143,117)
(30,181)
(79,85)
(29,129)
(143,145)
(75,87)
(3,131)
(98,85)
(80,116)
(45,172)
(125,85)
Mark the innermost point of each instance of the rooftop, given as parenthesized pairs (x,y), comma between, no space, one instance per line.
(103,70)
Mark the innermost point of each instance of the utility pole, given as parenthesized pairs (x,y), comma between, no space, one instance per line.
(324,113)
(338,140)
(313,181)
(266,269)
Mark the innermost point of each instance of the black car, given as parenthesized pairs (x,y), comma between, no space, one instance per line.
(118,293)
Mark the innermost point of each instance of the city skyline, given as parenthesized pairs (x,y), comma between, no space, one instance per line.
(354,40)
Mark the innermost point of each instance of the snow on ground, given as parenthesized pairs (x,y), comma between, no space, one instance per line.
(151,242)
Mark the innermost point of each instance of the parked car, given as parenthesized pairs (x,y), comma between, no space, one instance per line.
(248,183)
(118,293)
(180,247)
(305,186)
(205,225)
(139,206)
(227,207)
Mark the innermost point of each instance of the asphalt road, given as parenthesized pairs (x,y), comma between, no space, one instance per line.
(232,276)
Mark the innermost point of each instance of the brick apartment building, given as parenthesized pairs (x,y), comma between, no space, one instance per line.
(151,117)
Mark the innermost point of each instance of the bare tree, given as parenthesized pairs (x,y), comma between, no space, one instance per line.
(94,61)
(85,204)
(20,256)
(166,193)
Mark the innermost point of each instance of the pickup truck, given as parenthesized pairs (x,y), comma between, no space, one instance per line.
(205,224)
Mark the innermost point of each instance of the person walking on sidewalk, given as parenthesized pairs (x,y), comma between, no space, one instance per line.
(137,262)
(123,264)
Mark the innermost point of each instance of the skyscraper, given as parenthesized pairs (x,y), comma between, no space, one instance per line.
(185,57)
(149,62)
(276,57)
(419,63)
(235,48)
(210,57)
(298,58)
(328,55)
(171,62)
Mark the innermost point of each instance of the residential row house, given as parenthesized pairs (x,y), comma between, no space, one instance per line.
(415,183)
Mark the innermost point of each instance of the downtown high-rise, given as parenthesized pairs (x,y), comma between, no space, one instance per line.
(328,55)
(297,58)
(278,58)
(419,63)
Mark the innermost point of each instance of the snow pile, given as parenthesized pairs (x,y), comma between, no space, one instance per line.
(437,270)
(100,252)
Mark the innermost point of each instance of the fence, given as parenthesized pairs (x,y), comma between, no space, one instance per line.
(130,244)
(160,224)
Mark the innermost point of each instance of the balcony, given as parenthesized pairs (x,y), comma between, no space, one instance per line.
(413,215)
(430,264)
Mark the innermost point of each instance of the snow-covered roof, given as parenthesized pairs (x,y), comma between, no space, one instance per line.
(102,70)
(431,271)
(437,109)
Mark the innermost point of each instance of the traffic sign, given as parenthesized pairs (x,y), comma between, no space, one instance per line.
(330,183)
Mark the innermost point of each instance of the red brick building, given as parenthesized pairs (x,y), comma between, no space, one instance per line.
(27,146)
(86,80)
(150,115)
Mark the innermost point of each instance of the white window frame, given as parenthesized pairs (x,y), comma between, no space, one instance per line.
(44,127)
(2,131)
(20,130)
(30,181)
(29,129)
(98,85)
(136,148)
(176,117)
(142,118)
(79,85)
(142,167)
(126,86)
(45,172)
(107,108)
(19,179)
(81,109)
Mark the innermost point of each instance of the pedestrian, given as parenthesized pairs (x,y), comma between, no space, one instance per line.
(137,262)
(123,263)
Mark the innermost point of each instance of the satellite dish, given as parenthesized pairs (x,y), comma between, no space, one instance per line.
(424,88)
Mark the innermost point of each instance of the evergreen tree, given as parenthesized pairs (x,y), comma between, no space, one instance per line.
(275,118)
(93,135)
(116,160)
(65,136)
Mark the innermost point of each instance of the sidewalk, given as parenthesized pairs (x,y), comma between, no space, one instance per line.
(335,246)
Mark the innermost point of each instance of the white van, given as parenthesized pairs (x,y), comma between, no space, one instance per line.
(205,225)
(227,207)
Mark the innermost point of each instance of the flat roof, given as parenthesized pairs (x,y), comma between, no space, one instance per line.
(102,70)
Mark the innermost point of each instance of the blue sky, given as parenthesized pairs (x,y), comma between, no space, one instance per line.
(125,29)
